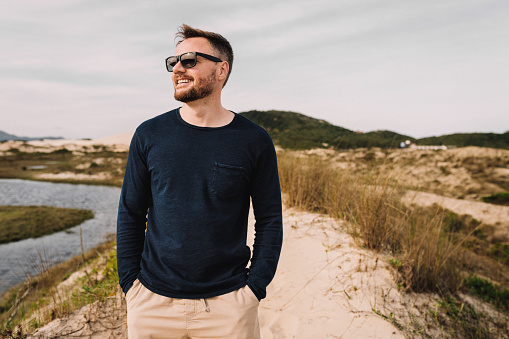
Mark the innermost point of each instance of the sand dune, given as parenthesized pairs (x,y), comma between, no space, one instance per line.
(119,142)
(325,287)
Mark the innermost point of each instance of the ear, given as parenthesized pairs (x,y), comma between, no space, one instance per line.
(222,71)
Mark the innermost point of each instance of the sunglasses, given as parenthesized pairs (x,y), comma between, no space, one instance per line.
(187,60)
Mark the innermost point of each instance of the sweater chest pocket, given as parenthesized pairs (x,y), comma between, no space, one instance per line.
(228,181)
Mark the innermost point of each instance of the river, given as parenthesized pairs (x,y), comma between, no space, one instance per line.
(21,259)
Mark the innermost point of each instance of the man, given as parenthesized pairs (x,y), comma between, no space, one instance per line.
(182,219)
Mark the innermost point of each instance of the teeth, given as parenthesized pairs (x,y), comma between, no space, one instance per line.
(182,81)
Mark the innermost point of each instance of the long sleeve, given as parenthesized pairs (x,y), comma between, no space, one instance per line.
(189,187)
(266,199)
(131,222)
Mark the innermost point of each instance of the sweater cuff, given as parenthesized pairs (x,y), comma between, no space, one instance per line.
(260,293)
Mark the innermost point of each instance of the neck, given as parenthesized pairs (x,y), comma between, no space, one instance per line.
(206,112)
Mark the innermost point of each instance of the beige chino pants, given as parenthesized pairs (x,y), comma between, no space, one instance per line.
(233,315)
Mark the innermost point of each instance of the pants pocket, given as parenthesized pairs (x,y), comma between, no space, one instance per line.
(133,291)
(246,289)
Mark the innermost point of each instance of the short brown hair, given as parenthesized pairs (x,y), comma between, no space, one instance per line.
(217,41)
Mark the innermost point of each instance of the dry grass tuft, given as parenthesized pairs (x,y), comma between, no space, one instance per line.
(425,256)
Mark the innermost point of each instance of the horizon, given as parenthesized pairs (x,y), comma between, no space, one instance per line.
(49,137)
(81,69)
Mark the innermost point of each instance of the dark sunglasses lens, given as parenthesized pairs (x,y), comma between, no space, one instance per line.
(170,63)
(188,60)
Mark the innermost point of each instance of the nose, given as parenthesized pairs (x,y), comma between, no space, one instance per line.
(178,68)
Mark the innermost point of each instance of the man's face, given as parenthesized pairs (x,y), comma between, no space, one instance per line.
(199,81)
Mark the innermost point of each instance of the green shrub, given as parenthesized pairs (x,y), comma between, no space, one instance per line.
(488,291)
(497,199)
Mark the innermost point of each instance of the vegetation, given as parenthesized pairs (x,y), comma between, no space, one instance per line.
(463,320)
(497,199)
(492,140)
(382,139)
(39,299)
(431,249)
(98,166)
(292,130)
(488,291)
(297,131)
(22,222)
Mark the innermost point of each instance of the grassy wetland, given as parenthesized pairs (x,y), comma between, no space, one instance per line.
(461,261)
(23,222)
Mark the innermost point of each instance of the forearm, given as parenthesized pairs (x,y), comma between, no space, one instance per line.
(130,240)
(132,216)
(266,251)
(266,198)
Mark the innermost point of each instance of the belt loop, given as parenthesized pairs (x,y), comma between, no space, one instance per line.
(205,305)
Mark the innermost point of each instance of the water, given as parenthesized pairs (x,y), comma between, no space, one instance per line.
(20,259)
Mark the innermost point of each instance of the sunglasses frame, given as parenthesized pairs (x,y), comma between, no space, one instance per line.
(169,68)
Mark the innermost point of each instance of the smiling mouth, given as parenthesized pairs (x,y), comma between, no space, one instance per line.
(183,81)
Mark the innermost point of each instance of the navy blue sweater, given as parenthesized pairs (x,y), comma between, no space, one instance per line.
(189,187)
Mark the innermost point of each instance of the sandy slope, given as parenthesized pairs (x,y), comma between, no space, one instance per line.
(325,287)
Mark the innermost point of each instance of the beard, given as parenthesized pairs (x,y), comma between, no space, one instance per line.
(202,90)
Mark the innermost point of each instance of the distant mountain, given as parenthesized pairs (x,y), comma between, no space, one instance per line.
(298,131)
(5,137)
(492,140)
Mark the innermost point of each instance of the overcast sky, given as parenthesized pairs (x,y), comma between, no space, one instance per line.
(94,68)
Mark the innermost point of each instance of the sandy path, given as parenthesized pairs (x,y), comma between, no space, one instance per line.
(325,287)
(487,213)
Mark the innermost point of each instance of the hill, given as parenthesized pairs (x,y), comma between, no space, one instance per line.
(492,140)
(382,139)
(298,131)
(295,130)
(6,136)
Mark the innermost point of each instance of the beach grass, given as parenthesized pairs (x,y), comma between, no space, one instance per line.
(39,299)
(23,222)
(430,249)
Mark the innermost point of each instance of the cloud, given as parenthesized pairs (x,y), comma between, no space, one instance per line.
(363,64)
